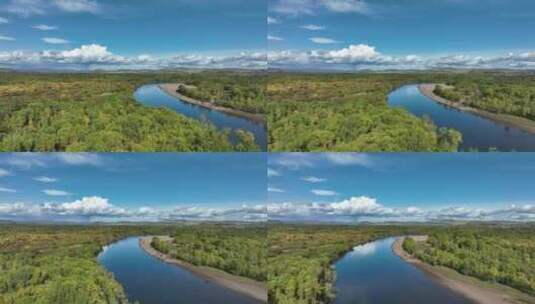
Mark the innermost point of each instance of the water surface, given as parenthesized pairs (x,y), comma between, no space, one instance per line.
(148,280)
(478,132)
(372,273)
(152,95)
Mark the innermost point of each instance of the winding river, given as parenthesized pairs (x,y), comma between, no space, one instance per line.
(151,95)
(478,132)
(148,280)
(373,273)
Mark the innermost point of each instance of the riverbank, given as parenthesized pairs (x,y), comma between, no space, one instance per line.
(171,89)
(524,124)
(252,288)
(472,288)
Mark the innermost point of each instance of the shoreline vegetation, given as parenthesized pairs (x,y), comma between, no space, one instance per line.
(171,89)
(472,288)
(527,125)
(252,288)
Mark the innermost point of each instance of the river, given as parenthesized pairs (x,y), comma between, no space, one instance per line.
(152,95)
(373,273)
(150,281)
(478,132)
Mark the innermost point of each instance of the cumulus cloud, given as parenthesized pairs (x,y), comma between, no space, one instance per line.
(322,192)
(53,40)
(54,192)
(313,179)
(323,40)
(46,179)
(95,208)
(44,27)
(313,27)
(95,56)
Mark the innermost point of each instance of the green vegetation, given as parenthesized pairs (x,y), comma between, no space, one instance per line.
(409,245)
(97,112)
(239,250)
(500,93)
(503,255)
(349,112)
(57,263)
(300,258)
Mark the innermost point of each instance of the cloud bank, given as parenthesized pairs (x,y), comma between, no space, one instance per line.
(95,56)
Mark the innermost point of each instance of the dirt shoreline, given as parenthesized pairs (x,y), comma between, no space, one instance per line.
(170,89)
(524,124)
(252,288)
(475,290)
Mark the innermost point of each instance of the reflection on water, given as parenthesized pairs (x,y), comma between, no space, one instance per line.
(149,280)
(152,95)
(479,133)
(372,273)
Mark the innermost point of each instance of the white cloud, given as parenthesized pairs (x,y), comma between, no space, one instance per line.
(322,192)
(80,159)
(44,27)
(8,190)
(53,192)
(274,38)
(95,56)
(6,38)
(293,161)
(78,6)
(272,20)
(276,190)
(4,172)
(347,159)
(311,7)
(3,20)
(87,206)
(272,172)
(53,40)
(313,27)
(313,179)
(26,8)
(46,179)
(323,40)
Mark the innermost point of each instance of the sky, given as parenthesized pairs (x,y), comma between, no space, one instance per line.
(401,34)
(84,187)
(351,187)
(112,34)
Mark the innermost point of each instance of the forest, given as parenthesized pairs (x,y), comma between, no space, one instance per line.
(499,93)
(349,111)
(238,250)
(97,112)
(57,263)
(502,255)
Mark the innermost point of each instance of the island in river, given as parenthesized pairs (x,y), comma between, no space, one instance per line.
(255,289)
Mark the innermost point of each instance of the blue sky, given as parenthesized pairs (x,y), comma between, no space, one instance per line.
(412,186)
(134,186)
(401,33)
(169,32)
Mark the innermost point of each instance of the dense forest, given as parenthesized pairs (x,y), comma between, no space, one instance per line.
(239,250)
(349,112)
(500,93)
(97,112)
(503,255)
